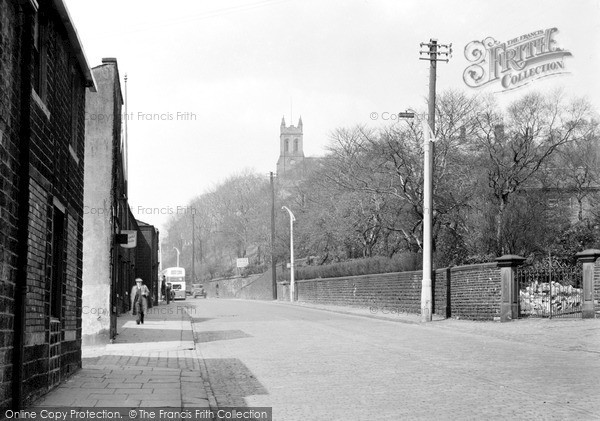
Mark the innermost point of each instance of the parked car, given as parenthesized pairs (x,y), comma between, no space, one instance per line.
(199,291)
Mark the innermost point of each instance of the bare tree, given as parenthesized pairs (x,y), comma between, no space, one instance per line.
(515,144)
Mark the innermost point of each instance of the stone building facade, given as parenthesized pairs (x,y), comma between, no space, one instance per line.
(43,78)
(107,265)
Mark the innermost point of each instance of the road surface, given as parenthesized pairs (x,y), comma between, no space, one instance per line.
(310,364)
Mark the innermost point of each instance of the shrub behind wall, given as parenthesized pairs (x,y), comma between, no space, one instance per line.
(372,265)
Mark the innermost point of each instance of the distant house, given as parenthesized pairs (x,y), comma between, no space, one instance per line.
(573,190)
(43,78)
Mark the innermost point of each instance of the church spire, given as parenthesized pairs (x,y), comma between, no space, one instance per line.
(300,123)
(283,121)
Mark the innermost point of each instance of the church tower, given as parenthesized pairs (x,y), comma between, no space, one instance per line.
(291,148)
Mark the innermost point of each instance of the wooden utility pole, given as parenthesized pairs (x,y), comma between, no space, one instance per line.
(435,53)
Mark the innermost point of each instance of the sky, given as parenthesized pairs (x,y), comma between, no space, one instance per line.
(209,81)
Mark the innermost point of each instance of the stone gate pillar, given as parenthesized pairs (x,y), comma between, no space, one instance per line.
(509,302)
(588,258)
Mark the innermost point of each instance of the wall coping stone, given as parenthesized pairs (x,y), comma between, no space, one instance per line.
(412,272)
(488,265)
(510,260)
(453,269)
(589,255)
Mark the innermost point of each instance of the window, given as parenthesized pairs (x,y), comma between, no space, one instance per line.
(287,145)
(40,49)
(58,264)
(295,145)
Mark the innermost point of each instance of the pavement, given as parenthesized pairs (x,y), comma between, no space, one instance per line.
(154,364)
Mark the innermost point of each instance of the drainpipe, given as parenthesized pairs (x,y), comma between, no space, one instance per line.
(27,10)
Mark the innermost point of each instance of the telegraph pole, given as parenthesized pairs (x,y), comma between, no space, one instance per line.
(436,52)
(273,262)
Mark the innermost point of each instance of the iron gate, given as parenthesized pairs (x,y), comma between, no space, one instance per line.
(550,291)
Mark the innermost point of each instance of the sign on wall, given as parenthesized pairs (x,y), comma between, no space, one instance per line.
(131,239)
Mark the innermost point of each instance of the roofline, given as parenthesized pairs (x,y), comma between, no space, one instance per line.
(76,44)
(110,61)
(144,223)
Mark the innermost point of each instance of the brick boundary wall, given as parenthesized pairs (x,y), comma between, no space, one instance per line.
(253,287)
(467,292)
(475,292)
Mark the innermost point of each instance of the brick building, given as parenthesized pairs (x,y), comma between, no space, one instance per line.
(147,257)
(126,258)
(43,78)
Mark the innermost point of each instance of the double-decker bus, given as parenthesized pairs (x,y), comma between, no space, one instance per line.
(176,277)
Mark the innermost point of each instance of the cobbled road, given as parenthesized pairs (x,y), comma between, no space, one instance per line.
(311,364)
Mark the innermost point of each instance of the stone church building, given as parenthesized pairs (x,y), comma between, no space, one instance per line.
(291,150)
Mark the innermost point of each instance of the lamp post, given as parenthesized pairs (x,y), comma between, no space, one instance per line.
(426,293)
(426,284)
(292,284)
(177,250)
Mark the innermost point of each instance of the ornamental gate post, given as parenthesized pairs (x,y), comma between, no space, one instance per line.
(509,301)
(588,258)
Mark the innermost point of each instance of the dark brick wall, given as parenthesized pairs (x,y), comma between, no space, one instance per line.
(9,140)
(147,257)
(382,290)
(143,258)
(475,291)
(126,263)
(56,176)
(441,292)
(469,292)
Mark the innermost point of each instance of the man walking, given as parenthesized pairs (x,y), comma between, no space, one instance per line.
(139,300)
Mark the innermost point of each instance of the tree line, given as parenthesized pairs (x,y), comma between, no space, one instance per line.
(522,179)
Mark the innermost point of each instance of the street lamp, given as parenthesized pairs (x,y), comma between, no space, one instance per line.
(292,285)
(426,293)
(177,250)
